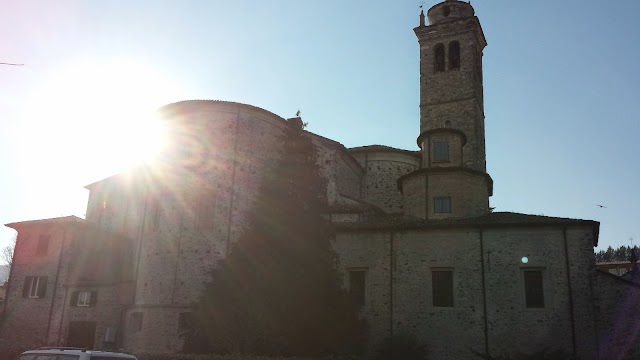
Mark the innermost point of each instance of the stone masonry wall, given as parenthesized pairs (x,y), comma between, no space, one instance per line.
(177,253)
(511,326)
(382,172)
(369,251)
(26,320)
(349,179)
(617,304)
(454,95)
(468,192)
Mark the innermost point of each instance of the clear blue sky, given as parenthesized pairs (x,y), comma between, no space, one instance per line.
(562,91)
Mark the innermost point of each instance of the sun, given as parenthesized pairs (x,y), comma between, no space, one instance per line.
(99,114)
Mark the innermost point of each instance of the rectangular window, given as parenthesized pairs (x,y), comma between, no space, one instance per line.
(357,286)
(442,204)
(43,244)
(156,209)
(34,287)
(185,322)
(83,298)
(204,216)
(442,287)
(135,321)
(534,288)
(440,151)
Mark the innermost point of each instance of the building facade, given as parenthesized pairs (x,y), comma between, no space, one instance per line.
(418,244)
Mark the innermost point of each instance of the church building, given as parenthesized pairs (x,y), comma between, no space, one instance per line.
(419,246)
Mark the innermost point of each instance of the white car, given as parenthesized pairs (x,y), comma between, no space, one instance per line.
(67,353)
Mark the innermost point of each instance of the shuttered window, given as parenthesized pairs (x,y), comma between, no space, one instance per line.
(534,288)
(83,298)
(357,286)
(440,151)
(34,287)
(442,204)
(442,287)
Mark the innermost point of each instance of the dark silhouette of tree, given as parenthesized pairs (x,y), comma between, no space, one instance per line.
(278,292)
(622,253)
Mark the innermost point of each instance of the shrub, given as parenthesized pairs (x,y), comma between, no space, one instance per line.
(10,352)
(544,354)
(401,346)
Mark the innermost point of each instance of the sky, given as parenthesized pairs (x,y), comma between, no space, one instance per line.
(561,86)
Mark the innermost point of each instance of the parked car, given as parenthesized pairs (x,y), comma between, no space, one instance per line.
(67,353)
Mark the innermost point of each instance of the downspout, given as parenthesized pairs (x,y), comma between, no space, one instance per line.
(484,294)
(121,327)
(571,311)
(595,315)
(426,182)
(233,181)
(64,308)
(178,253)
(140,234)
(364,176)
(55,287)
(392,265)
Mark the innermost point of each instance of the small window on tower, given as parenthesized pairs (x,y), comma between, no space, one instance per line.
(454,55)
(446,11)
(439,58)
(440,151)
(442,205)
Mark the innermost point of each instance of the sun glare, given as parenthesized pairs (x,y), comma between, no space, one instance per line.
(89,120)
(101,114)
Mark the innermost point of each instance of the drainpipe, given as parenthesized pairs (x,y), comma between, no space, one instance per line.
(140,235)
(55,286)
(232,193)
(392,264)
(571,311)
(484,294)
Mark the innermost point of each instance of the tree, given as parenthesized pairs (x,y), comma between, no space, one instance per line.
(622,253)
(278,292)
(6,254)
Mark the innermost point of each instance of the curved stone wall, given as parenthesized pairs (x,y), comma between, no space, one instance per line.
(383,168)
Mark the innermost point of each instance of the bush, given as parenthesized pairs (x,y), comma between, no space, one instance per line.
(401,346)
(10,353)
(144,356)
(544,354)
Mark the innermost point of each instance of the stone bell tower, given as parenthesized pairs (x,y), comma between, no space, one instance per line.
(452,181)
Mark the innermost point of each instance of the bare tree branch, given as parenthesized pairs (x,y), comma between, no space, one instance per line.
(6,254)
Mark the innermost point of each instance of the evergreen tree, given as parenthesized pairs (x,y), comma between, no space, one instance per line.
(278,292)
(622,253)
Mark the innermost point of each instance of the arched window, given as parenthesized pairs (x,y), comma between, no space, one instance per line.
(454,55)
(439,58)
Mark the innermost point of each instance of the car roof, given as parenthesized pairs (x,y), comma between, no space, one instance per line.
(79,352)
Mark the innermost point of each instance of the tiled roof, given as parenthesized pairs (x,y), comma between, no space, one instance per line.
(201,104)
(372,148)
(64,219)
(496,219)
